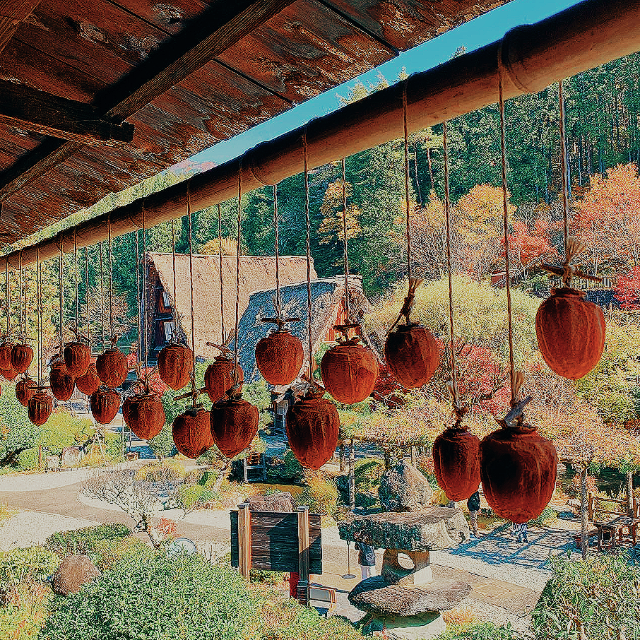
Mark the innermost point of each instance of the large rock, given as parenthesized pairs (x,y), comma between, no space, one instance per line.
(282,501)
(404,488)
(431,529)
(422,627)
(73,572)
(376,596)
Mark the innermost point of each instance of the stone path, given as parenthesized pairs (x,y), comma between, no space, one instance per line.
(506,577)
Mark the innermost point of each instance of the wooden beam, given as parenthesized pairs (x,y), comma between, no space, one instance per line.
(38,111)
(12,13)
(531,58)
(205,38)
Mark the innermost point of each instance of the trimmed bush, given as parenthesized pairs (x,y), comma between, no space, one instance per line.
(172,598)
(160,472)
(320,495)
(28,459)
(84,541)
(25,612)
(107,553)
(367,474)
(33,563)
(190,496)
(547,516)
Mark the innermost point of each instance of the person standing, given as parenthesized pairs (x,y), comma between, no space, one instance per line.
(519,531)
(366,559)
(473,504)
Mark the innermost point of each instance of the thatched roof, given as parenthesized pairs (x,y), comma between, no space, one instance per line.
(256,272)
(326,297)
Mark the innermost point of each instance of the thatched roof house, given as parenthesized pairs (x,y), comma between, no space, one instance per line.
(327,304)
(256,273)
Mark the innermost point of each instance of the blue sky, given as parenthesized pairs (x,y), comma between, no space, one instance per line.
(472,35)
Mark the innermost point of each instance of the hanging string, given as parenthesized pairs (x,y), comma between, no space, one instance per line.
(447,212)
(505,222)
(102,297)
(277,248)
(7,296)
(139,300)
(86,284)
(222,337)
(111,332)
(308,248)
(193,330)
(39,311)
(565,171)
(173,262)
(143,298)
(406,177)
(75,263)
(22,319)
(345,243)
(61,289)
(238,239)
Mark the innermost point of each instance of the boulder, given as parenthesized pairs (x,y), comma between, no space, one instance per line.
(431,529)
(375,596)
(279,502)
(404,488)
(73,572)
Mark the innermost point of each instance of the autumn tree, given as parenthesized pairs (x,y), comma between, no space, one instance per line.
(627,290)
(529,243)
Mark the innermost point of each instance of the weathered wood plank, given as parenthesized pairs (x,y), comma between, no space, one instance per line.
(38,111)
(12,13)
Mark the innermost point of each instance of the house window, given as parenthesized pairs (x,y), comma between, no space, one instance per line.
(168,330)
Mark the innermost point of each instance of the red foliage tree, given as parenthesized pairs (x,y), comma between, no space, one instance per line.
(627,291)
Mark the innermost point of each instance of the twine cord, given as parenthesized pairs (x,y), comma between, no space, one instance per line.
(143,297)
(308,248)
(173,262)
(139,299)
(222,337)
(102,297)
(86,280)
(22,321)
(75,271)
(111,332)
(505,222)
(565,172)
(39,311)
(6,296)
(406,179)
(238,238)
(345,244)
(447,215)
(193,330)
(277,305)
(61,290)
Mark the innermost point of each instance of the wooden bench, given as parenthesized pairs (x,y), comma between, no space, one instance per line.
(611,523)
(323,599)
(255,462)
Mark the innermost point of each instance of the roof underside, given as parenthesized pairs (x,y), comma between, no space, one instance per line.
(185,73)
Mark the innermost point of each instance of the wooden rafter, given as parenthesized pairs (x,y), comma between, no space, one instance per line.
(208,36)
(38,111)
(12,13)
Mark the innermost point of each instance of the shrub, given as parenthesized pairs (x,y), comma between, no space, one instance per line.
(28,459)
(62,430)
(176,597)
(190,496)
(26,611)
(320,495)
(601,593)
(33,563)
(6,513)
(84,540)
(160,472)
(547,516)
(107,553)
(289,470)
(367,473)
(460,616)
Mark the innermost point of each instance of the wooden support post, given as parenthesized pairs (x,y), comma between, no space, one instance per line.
(303,550)
(630,493)
(244,539)
(342,457)
(584,524)
(352,475)
(412,453)
(590,500)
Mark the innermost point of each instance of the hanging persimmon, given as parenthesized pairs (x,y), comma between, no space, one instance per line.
(144,415)
(5,355)
(349,371)
(175,363)
(25,390)
(219,377)
(456,459)
(570,330)
(518,467)
(104,404)
(60,381)
(89,382)
(21,357)
(279,355)
(313,427)
(191,432)
(234,424)
(39,408)
(112,368)
(10,374)
(77,357)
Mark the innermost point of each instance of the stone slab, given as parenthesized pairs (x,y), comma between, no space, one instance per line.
(376,596)
(424,627)
(431,529)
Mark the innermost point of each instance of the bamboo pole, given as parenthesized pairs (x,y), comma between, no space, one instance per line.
(531,57)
